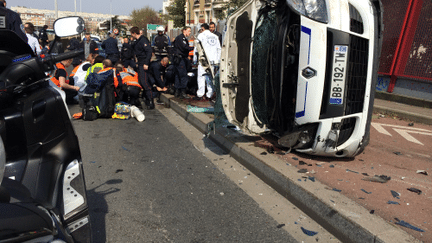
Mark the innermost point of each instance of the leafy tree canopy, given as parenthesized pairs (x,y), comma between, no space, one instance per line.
(176,12)
(230,7)
(142,17)
(116,24)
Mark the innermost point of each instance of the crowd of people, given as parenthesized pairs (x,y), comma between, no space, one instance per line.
(139,70)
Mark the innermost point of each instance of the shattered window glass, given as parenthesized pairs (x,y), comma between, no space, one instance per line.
(265,34)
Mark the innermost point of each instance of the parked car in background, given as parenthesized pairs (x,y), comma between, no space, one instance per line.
(305,71)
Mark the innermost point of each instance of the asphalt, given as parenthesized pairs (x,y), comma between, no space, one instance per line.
(338,220)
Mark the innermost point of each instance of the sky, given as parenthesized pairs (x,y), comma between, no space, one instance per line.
(119,7)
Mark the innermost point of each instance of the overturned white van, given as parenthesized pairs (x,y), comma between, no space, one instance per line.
(305,70)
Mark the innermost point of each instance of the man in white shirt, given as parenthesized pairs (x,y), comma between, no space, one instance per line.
(211,45)
(31,40)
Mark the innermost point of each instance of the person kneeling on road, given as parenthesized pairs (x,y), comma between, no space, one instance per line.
(60,78)
(126,85)
(157,72)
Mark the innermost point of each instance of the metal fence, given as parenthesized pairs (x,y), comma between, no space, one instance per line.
(407,42)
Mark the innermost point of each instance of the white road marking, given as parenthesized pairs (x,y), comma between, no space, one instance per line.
(380,129)
(403,131)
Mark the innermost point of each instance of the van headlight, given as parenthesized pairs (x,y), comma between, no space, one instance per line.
(314,9)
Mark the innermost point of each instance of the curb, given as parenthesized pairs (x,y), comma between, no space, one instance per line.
(403,114)
(403,99)
(342,217)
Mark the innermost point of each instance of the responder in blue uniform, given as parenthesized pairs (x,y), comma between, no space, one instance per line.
(182,62)
(11,21)
(161,44)
(111,48)
(143,53)
(127,55)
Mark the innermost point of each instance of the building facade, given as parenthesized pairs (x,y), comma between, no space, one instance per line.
(41,17)
(203,11)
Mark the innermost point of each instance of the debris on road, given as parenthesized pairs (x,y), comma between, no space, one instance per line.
(348,170)
(372,212)
(363,190)
(280,226)
(302,171)
(377,178)
(125,148)
(119,170)
(311,178)
(393,202)
(263,153)
(397,153)
(412,189)
(336,190)
(395,194)
(308,232)
(270,150)
(408,225)
(422,172)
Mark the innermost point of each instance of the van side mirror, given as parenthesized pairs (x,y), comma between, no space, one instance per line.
(69,26)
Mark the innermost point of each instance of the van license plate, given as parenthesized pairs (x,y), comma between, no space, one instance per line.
(338,75)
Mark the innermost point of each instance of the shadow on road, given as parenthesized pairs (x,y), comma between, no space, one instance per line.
(98,208)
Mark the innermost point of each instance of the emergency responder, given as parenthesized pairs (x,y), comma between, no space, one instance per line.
(61,79)
(157,73)
(182,62)
(43,36)
(210,44)
(212,29)
(11,21)
(143,53)
(161,44)
(126,85)
(127,54)
(111,48)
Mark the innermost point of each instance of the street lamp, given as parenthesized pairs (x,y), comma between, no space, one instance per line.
(56,9)
(110,16)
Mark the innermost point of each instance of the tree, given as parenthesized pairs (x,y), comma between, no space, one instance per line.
(142,17)
(176,12)
(229,8)
(116,24)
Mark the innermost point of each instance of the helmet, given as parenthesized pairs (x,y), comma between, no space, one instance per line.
(160,28)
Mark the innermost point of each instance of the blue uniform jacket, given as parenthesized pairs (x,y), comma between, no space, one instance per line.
(13,22)
(143,50)
(181,45)
(110,46)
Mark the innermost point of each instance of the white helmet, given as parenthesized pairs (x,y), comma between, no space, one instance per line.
(160,28)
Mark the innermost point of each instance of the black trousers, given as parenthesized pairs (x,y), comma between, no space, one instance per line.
(144,81)
(181,77)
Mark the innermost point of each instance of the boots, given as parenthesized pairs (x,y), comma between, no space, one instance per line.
(150,104)
(183,95)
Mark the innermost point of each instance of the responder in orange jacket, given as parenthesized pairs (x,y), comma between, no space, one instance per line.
(61,79)
(127,85)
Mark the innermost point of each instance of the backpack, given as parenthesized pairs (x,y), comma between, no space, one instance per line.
(104,99)
(89,112)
